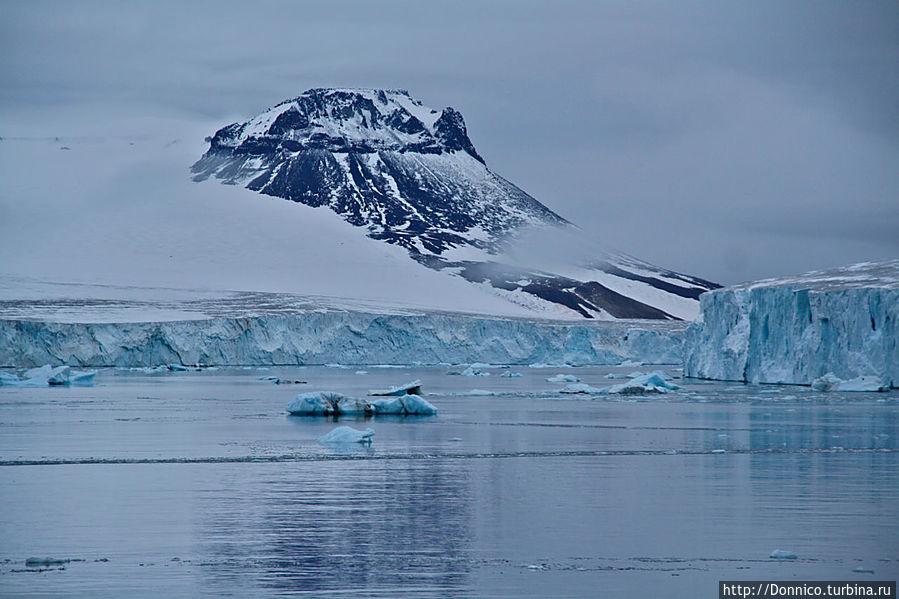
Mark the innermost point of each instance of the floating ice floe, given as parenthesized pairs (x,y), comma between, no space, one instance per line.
(654,382)
(279,381)
(346,434)
(327,403)
(472,371)
(830,382)
(412,405)
(783,554)
(8,379)
(580,388)
(563,378)
(49,376)
(510,374)
(413,388)
(621,375)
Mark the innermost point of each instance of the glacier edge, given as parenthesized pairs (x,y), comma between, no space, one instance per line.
(794,331)
(339,337)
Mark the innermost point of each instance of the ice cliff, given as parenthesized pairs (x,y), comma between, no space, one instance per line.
(797,329)
(339,337)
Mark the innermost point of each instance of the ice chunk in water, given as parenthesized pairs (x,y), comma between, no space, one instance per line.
(315,402)
(413,388)
(654,382)
(414,404)
(563,378)
(346,434)
(580,388)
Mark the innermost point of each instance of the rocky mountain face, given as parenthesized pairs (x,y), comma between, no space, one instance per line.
(410,176)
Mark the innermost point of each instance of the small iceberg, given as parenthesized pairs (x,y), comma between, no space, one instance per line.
(783,554)
(279,381)
(511,375)
(405,405)
(9,379)
(580,388)
(654,382)
(49,376)
(413,388)
(324,403)
(472,371)
(563,378)
(346,434)
(315,403)
(830,382)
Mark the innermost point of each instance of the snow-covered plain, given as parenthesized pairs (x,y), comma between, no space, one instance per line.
(797,329)
(113,204)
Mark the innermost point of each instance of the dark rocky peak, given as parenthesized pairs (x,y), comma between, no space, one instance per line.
(450,129)
(348,120)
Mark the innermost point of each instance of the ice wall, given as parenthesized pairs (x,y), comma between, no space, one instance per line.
(344,337)
(795,330)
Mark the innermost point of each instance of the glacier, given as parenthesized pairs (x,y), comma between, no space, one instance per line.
(795,330)
(339,337)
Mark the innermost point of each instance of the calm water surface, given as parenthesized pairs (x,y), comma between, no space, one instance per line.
(199,484)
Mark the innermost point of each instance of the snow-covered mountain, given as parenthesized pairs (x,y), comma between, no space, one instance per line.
(410,176)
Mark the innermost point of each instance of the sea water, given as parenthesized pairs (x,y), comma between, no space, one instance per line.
(200,484)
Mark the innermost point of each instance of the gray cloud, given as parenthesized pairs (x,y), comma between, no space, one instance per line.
(727,140)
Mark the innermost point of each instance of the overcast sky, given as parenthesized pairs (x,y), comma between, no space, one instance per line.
(731,140)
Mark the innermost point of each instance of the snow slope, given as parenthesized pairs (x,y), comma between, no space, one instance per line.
(843,321)
(99,219)
(118,208)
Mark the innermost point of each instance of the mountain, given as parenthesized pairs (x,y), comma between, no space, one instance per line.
(410,176)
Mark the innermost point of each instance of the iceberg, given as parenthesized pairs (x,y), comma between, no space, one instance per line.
(49,376)
(783,554)
(340,337)
(413,388)
(472,371)
(346,434)
(795,330)
(406,405)
(563,378)
(654,382)
(318,403)
(315,402)
(830,382)
(580,388)
(392,405)
(9,379)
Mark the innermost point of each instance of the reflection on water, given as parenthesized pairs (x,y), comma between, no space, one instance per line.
(525,493)
(332,526)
